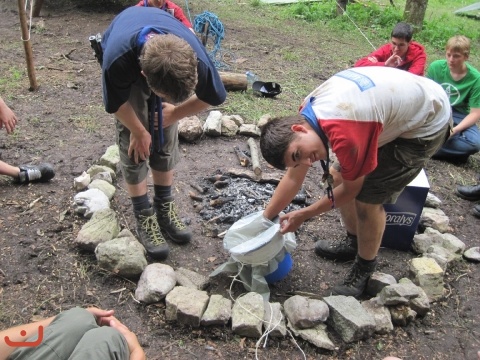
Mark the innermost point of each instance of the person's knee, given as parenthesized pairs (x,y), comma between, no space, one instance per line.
(82,319)
(102,343)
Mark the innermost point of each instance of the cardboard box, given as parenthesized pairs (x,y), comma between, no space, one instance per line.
(404,215)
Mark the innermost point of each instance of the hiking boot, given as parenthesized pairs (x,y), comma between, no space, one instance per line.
(35,173)
(344,249)
(169,221)
(150,236)
(356,279)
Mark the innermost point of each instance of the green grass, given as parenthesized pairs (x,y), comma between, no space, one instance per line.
(329,43)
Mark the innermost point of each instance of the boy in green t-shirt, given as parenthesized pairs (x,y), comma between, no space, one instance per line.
(461,81)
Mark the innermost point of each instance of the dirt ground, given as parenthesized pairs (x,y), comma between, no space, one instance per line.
(42,272)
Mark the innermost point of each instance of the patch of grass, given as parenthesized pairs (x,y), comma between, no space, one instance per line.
(12,80)
(85,121)
(291,55)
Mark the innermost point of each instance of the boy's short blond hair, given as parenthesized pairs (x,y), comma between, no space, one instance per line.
(170,66)
(459,43)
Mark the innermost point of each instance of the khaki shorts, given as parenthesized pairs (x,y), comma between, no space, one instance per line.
(159,160)
(399,162)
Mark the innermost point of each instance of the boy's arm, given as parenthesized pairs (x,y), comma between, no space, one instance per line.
(286,190)
(418,65)
(468,121)
(376,58)
(344,193)
(14,335)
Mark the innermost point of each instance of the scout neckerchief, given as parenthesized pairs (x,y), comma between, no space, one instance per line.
(309,115)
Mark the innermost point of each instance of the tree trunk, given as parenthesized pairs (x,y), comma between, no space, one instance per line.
(415,13)
(341,6)
(37,7)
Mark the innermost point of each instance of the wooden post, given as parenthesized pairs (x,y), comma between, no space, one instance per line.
(27,46)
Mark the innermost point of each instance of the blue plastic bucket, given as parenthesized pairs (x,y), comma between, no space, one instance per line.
(282,271)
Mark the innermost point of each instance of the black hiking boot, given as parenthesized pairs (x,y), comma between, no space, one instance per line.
(169,221)
(150,236)
(344,249)
(356,279)
(35,173)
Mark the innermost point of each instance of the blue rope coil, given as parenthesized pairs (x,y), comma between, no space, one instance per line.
(216,31)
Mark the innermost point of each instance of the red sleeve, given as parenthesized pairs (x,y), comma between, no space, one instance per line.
(382,54)
(141,3)
(418,58)
(178,13)
(355,143)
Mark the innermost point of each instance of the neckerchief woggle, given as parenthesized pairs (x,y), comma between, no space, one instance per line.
(154,102)
(309,115)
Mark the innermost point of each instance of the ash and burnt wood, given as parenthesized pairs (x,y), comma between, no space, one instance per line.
(242,157)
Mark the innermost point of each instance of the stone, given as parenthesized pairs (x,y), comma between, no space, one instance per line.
(274,320)
(218,312)
(190,128)
(427,274)
(103,226)
(111,158)
(349,319)
(186,305)
(316,335)
(377,282)
(105,187)
(156,281)
(213,124)
(304,313)
(434,218)
(381,315)
(191,279)
(247,315)
(81,182)
(472,254)
(251,130)
(95,169)
(123,256)
(90,201)
(229,127)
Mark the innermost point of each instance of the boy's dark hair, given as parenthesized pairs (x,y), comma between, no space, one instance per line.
(402,31)
(170,66)
(275,138)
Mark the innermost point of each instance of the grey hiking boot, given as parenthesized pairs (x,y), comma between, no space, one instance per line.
(35,173)
(344,249)
(169,221)
(150,236)
(356,279)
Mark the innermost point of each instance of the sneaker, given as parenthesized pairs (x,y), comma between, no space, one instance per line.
(150,236)
(35,173)
(356,279)
(344,249)
(169,221)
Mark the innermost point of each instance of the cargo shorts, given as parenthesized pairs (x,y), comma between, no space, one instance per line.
(163,159)
(398,163)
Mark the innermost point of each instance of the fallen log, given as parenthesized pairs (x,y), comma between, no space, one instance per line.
(255,159)
(244,159)
(233,81)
